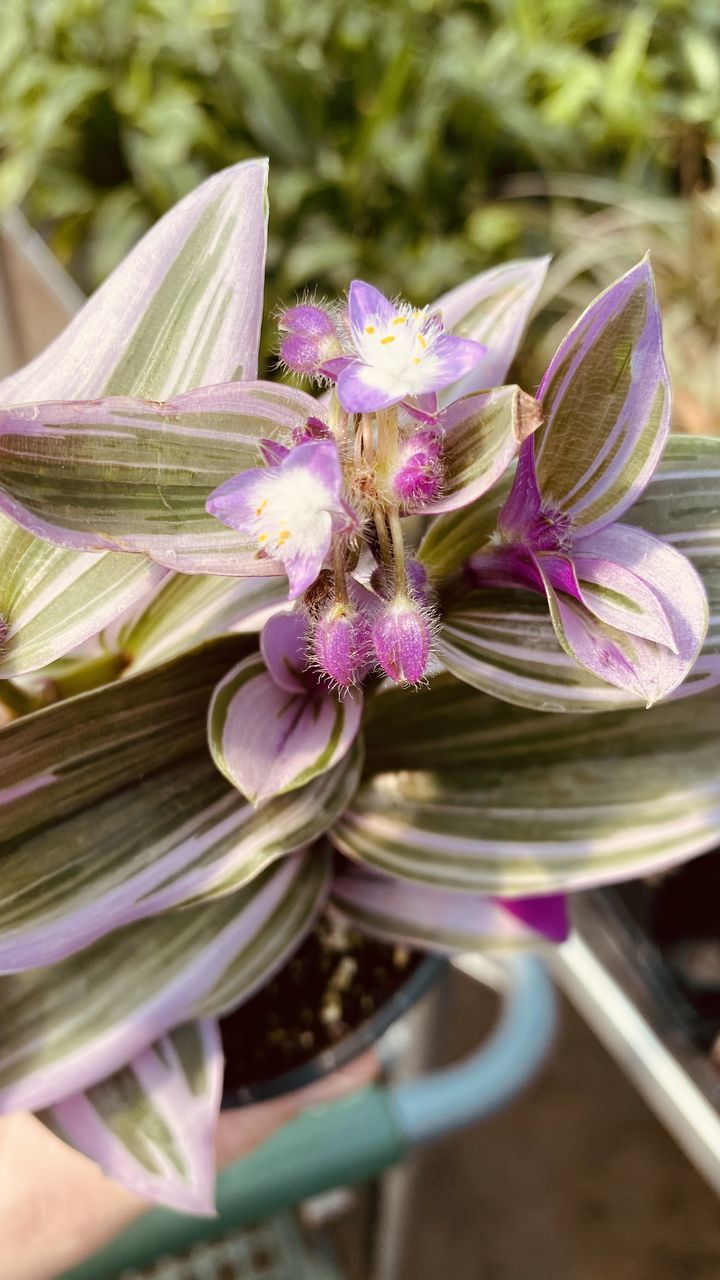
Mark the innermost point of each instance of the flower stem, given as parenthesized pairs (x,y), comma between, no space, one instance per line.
(398,544)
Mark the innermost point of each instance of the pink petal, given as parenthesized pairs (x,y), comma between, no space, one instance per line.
(284,647)
(366,303)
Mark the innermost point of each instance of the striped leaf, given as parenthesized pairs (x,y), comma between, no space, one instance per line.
(469,793)
(482,434)
(295,736)
(606,402)
(136,476)
(183,309)
(493,308)
(446,920)
(451,538)
(70,1025)
(113,811)
(186,609)
(151,1125)
(504,642)
(51,600)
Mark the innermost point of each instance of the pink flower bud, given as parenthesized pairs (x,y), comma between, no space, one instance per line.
(419,474)
(314,429)
(309,338)
(342,644)
(401,639)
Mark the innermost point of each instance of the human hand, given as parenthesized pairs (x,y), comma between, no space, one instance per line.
(57,1207)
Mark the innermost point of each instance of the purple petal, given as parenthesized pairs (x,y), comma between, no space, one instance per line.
(362,389)
(284,647)
(235,501)
(273,452)
(606,397)
(366,303)
(333,368)
(161,1143)
(547,916)
(453,357)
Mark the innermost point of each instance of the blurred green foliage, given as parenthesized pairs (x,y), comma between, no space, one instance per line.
(392,125)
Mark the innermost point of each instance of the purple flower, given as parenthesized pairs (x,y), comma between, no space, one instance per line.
(291,508)
(418,476)
(399,352)
(308,338)
(624,604)
(341,645)
(401,638)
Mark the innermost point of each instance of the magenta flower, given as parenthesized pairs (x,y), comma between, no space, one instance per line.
(291,508)
(625,605)
(399,352)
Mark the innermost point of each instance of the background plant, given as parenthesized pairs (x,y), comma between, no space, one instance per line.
(110,113)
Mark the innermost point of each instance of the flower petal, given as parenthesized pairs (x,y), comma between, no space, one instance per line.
(366,303)
(362,388)
(284,647)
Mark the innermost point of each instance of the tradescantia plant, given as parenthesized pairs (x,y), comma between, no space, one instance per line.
(216,592)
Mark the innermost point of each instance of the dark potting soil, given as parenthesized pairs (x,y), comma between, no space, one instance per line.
(335,981)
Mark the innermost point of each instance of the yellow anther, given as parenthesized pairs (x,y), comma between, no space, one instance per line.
(400,320)
(369,328)
(283,536)
(422,342)
(384,341)
(259,510)
(262,537)
(416,360)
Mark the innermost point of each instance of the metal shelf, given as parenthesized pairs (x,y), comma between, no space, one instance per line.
(678,1081)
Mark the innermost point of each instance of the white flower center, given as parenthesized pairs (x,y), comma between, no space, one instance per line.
(401,346)
(291,511)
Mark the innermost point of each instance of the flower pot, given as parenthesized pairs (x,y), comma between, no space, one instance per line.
(332,1000)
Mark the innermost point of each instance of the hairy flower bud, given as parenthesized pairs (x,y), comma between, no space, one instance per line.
(308,338)
(342,644)
(418,476)
(313,429)
(401,640)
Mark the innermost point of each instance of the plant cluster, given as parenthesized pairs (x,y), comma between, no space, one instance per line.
(216,593)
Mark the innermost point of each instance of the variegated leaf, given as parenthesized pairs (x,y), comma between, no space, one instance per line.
(183,309)
(470,793)
(113,811)
(151,1125)
(504,642)
(493,308)
(482,434)
(451,538)
(606,403)
(52,600)
(438,919)
(295,736)
(126,474)
(188,608)
(70,1025)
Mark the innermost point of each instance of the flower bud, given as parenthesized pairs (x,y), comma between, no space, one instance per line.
(308,338)
(419,474)
(342,644)
(314,429)
(401,639)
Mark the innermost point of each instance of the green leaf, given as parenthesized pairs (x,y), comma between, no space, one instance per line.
(466,792)
(72,1024)
(482,434)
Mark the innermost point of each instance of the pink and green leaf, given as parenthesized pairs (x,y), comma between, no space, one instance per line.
(70,1025)
(295,736)
(446,920)
(606,404)
(493,308)
(151,1125)
(130,475)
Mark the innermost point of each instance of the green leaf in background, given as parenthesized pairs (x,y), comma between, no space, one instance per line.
(465,792)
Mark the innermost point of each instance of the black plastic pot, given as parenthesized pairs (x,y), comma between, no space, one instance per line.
(249,1021)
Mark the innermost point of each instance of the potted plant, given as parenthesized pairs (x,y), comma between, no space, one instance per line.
(390,647)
